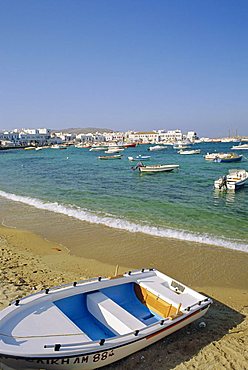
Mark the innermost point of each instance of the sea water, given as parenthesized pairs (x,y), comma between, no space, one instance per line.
(181,204)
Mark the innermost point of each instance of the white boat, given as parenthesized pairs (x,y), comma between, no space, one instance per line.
(97,149)
(240,147)
(188,152)
(157,147)
(39,148)
(181,146)
(90,324)
(157,168)
(56,146)
(113,150)
(233,181)
(139,158)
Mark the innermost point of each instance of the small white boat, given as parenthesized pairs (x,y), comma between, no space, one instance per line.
(188,152)
(56,146)
(97,148)
(90,324)
(240,147)
(233,181)
(157,168)
(180,146)
(113,150)
(157,147)
(39,148)
(139,158)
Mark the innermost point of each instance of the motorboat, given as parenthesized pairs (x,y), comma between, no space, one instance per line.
(140,158)
(189,152)
(234,180)
(116,156)
(155,168)
(157,147)
(114,150)
(240,147)
(93,323)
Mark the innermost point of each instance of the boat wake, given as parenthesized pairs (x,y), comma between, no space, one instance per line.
(122,224)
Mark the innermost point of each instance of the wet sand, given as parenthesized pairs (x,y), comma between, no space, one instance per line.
(29,262)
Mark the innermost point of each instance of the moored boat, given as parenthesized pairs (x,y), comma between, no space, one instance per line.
(116,156)
(230,157)
(90,324)
(156,168)
(240,147)
(189,152)
(157,147)
(234,180)
(140,158)
(114,150)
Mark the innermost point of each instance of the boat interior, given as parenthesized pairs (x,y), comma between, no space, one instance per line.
(115,310)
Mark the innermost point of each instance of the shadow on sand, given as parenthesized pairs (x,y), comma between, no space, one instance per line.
(184,344)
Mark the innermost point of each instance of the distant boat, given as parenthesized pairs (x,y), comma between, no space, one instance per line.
(233,181)
(156,168)
(97,149)
(129,145)
(29,148)
(39,148)
(188,152)
(56,146)
(240,147)
(114,150)
(93,323)
(117,156)
(140,158)
(157,147)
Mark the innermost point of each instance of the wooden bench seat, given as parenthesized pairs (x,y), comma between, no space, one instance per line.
(112,315)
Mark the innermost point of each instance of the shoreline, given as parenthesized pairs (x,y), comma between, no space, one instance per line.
(30,263)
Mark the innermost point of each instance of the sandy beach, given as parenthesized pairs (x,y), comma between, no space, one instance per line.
(29,263)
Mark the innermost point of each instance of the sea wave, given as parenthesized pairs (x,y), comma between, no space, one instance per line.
(122,224)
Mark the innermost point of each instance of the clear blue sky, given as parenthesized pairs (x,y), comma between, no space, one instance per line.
(125,64)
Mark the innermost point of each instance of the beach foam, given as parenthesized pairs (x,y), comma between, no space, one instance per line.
(122,224)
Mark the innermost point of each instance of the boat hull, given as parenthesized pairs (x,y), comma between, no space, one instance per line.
(100,358)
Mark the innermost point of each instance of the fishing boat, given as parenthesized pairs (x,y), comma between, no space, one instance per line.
(240,147)
(229,157)
(189,152)
(155,168)
(29,148)
(90,324)
(157,147)
(116,156)
(214,156)
(234,180)
(139,158)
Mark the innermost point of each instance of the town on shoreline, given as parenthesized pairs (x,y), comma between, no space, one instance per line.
(20,138)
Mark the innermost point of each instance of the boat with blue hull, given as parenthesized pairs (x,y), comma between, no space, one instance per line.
(90,324)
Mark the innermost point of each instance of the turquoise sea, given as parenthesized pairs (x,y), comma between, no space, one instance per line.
(180,204)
